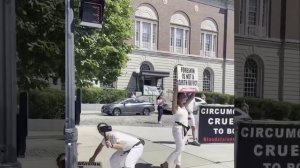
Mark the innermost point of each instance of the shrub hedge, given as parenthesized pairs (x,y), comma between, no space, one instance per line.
(50,103)
(102,96)
(258,108)
(46,104)
(270,109)
(217,98)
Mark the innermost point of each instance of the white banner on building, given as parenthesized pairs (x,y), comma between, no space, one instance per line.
(187,79)
(151,90)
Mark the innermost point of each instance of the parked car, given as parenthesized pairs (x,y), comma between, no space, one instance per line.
(129,105)
(198,101)
(241,115)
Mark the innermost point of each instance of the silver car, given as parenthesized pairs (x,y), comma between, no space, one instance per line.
(126,106)
(198,102)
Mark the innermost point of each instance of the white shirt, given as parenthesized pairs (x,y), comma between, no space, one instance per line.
(117,137)
(181,116)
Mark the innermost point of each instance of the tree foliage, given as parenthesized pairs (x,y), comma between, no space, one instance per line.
(40,42)
(100,54)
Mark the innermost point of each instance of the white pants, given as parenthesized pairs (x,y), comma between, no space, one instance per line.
(192,121)
(180,140)
(120,160)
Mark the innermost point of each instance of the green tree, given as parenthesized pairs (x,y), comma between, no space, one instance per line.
(40,42)
(101,54)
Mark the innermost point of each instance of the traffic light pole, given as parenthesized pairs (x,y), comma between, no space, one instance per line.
(8,86)
(71,133)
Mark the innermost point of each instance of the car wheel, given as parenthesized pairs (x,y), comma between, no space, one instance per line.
(116,112)
(146,111)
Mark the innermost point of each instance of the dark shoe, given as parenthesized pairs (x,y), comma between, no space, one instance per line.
(164,165)
(196,143)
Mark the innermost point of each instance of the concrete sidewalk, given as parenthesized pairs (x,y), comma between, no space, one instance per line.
(159,144)
(42,149)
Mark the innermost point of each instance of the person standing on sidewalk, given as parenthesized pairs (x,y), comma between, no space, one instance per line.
(192,123)
(129,148)
(133,95)
(180,129)
(160,101)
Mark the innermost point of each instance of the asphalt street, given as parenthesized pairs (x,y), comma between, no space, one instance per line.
(88,118)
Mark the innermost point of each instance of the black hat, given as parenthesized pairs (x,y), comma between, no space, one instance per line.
(103,127)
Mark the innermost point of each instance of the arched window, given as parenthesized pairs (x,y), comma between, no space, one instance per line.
(250,78)
(146,21)
(179,33)
(208,39)
(146,66)
(207,81)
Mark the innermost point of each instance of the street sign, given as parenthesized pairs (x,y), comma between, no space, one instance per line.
(267,144)
(187,79)
(216,124)
(91,13)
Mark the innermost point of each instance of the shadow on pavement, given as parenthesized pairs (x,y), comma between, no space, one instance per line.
(148,122)
(163,142)
(145,165)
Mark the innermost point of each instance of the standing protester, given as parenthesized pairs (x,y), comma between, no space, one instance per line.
(129,148)
(133,95)
(192,123)
(179,130)
(160,101)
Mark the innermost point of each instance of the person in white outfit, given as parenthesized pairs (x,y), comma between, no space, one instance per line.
(179,130)
(191,107)
(129,148)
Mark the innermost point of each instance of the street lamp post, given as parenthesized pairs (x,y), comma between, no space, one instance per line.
(70,130)
(8,86)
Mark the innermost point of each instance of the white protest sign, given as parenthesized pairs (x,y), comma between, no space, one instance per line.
(187,79)
(151,91)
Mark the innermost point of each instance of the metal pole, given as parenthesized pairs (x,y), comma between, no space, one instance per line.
(8,86)
(71,131)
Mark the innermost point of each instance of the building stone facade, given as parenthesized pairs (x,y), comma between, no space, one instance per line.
(196,33)
(267,56)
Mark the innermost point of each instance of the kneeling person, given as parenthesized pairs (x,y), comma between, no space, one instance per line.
(129,148)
